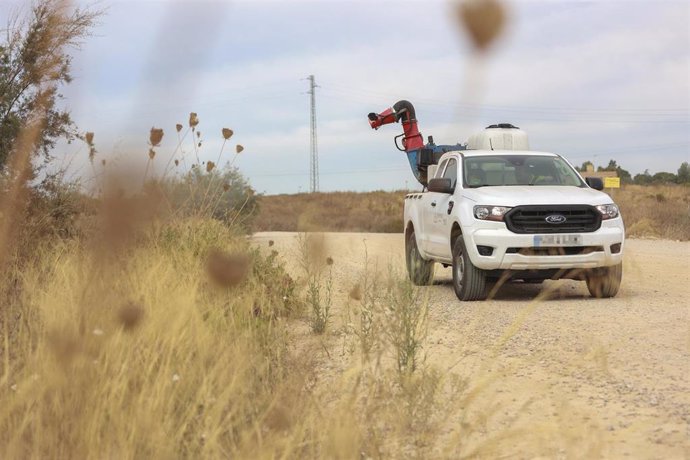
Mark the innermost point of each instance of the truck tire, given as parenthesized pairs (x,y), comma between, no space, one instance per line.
(469,282)
(421,271)
(604,282)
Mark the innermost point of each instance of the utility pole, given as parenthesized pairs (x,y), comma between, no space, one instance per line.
(314,148)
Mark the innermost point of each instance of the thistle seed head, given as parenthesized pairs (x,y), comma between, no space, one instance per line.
(227,270)
(482,20)
(193,120)
(130,315)
(155,137)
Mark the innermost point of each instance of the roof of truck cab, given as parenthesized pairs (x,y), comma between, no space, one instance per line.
(477,153)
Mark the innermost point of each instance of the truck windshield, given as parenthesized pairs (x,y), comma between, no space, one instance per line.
(498,170)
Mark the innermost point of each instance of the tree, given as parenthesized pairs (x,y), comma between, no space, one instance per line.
(684,173)
(583,168)
(34,65)
(612,166)
(664,178)
(624,175)
(643,179)
(224,195)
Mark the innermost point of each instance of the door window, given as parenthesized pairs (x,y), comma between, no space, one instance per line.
(451,172)
(439,170)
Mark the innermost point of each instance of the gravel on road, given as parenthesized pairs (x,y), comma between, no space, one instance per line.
(614,373)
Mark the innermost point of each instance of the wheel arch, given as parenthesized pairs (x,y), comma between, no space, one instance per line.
(455,232)
(409,228)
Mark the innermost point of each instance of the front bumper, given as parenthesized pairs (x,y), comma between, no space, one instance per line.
(496,236)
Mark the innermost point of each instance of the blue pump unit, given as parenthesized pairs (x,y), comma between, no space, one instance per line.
(430,154)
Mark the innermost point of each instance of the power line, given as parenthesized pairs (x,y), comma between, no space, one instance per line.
(635,149)
(516,115)
(431,101)
(339,172)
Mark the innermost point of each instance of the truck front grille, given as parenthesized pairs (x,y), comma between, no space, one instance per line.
(553,219)
(556,251)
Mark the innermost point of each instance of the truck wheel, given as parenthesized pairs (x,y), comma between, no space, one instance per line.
(604,282)
(469,282)
(421,271)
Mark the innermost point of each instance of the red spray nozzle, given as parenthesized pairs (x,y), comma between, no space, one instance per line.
(384,118)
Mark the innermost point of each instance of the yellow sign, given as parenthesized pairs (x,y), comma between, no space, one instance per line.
(612,182)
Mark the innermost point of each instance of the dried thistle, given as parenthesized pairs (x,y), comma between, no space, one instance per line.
(198,134)
(227,133)
(88,137)
(226,187)
(193,120)
(329,260)
(152,154)
(156,137)
(177,162)
(227,270)
(239,148)
(199,145)
(65,346)
(270,243)
(356,292)
(130,315)
(483,20)
(178,127)
(209,166)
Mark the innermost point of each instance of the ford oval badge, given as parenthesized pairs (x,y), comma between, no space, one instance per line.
(555,218)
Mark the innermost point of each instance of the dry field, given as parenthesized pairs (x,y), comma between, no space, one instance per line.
(333,212)
(660,211)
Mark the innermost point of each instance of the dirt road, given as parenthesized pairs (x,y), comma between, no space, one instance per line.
(613,374)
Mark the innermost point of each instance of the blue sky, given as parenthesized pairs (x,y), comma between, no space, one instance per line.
(589,80)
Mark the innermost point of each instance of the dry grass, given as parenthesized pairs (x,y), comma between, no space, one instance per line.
(142,356)
(377,212)
(654,211)
(187,342)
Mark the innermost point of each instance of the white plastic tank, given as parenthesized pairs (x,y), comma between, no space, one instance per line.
(503,136)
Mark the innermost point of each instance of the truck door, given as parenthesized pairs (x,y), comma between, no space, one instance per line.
(440,222)
(427,207)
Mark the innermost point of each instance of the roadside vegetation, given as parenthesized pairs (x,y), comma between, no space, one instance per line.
(649,211)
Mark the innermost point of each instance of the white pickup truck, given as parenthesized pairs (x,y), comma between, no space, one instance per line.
(498,215)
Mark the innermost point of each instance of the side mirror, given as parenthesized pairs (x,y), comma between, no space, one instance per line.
(441,185)
(595,182)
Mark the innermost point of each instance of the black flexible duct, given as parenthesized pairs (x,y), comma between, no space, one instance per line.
(404,107)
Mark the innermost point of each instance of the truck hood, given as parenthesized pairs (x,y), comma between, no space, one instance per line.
(537,194)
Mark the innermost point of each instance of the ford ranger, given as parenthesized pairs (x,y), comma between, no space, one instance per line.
(498,215)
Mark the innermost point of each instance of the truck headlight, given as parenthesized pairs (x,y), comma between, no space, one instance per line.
(608,211)
(490,212)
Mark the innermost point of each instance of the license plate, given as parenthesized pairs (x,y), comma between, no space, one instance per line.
(557,240)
